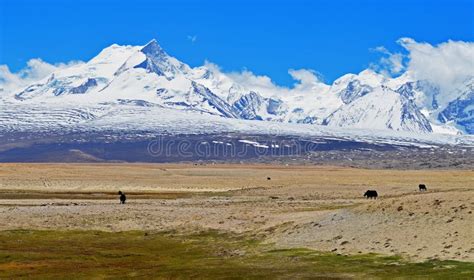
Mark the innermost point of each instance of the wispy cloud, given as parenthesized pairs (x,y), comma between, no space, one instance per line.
(390,63)
(306,81)
(192,38)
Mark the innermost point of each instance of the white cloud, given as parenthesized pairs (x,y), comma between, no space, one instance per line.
(395,62)
(447,64)
(262,84)
(35,70)
(390,64)
(306,80)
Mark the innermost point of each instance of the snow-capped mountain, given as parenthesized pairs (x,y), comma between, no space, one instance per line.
(461,110)
(396,112)
(80,78)
(146,76)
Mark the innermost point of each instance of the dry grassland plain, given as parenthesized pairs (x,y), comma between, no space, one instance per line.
(317,208)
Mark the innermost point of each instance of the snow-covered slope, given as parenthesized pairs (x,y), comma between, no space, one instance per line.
(80,78)
(149,80)
(132,121)
(381,108)
(461,110)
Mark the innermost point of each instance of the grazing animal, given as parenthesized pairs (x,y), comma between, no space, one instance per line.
(122,197)
(268,178)
(371,194)
(422,187)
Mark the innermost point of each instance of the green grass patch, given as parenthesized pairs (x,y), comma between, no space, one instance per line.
(207,255)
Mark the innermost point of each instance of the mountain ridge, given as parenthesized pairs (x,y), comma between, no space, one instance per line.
(148,75)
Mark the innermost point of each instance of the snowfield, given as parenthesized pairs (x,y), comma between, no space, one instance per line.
(128,119)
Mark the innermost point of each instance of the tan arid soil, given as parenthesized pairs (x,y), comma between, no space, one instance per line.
(315,207)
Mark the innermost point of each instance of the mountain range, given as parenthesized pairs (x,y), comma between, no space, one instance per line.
(123,80)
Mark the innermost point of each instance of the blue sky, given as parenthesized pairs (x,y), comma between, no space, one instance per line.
(266,37)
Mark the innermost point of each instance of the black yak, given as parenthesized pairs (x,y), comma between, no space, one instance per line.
(371,194)
(422,187)
(122,197)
